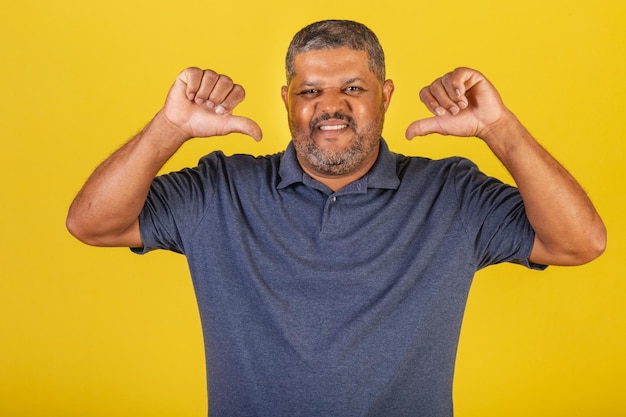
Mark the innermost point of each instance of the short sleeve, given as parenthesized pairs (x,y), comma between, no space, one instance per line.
(494,217)
(174,206)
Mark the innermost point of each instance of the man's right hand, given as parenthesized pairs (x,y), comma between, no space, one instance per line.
(105,211)
(200,104)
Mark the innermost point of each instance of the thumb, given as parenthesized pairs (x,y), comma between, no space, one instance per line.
(240,124)
(425,127)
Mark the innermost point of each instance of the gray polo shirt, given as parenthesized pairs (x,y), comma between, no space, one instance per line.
(315,303)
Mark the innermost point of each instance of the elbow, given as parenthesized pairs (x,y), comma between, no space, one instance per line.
(597,243)
(591,247)
(102,232)
(77,229)
(85,229)
(75,222)
(571,250)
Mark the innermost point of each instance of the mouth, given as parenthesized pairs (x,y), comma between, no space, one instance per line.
(332,127)
(332,123)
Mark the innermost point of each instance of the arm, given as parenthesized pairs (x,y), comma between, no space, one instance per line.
(568,230)
(105,212)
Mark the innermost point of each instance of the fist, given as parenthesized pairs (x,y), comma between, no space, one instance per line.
(200,103)
(464,103)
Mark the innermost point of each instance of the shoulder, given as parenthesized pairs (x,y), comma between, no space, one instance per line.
(239,161)
(218,170)
(239,171)
(238,164)
(412,167)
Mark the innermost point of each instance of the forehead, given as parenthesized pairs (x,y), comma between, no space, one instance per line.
(325,64)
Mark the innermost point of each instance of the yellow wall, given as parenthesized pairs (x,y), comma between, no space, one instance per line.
(101,332)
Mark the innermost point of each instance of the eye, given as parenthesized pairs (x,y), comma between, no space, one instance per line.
(354,90)
(310,92)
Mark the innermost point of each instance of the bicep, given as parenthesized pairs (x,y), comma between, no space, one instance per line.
(541,254)
(129,238)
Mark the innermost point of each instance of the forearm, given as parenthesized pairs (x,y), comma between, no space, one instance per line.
(105,211)
(568,229)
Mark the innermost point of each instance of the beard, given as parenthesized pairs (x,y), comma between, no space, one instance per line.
(335,162)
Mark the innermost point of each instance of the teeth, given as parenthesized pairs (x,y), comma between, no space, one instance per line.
(338,127)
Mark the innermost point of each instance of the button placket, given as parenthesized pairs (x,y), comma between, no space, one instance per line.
(330,222)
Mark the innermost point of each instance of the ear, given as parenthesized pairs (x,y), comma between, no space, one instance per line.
(283,94)
(388,88)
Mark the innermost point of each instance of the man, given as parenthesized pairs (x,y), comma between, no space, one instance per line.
(331,279)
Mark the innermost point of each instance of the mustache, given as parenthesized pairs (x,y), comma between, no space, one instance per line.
(327,116)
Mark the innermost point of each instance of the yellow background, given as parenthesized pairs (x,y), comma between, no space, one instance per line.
(101,332)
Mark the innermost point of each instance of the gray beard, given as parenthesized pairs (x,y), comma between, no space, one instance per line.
(336,163)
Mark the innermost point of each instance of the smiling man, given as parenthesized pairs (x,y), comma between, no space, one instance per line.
(332,278)
(336,107)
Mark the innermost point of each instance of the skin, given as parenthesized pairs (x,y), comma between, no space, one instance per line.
(199,104)
(341,147)
(336,109)
(568,229)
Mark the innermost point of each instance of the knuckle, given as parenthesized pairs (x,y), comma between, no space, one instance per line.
(436,86)
(239,91)
(210,76)
(225,79)
(191,70)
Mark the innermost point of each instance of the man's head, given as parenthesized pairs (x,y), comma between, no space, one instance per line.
(331,34)
(336,98)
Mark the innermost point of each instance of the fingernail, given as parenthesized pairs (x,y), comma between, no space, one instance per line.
(462,104)
(220,110)
(458,92)
(439,111)
(454,110)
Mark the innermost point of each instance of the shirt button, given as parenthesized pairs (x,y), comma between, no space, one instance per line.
(333,199)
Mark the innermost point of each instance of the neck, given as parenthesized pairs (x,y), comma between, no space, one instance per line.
(337,182)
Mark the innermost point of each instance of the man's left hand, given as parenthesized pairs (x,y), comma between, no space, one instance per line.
(464,103)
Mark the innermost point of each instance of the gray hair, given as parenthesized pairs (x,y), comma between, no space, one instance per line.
(331,34)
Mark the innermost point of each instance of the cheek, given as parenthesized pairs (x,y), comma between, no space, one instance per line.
(300,115)
(366,115)
(374,108)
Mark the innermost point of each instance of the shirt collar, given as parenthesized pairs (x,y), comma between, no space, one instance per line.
(382,174)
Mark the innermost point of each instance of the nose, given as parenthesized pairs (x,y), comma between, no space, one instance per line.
(331,101)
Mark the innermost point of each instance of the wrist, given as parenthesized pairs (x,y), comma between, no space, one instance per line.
(505,134)
(166,133)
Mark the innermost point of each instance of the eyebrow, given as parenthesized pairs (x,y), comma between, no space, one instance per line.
(314,83)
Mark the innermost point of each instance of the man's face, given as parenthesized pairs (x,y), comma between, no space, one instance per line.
(336,108)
